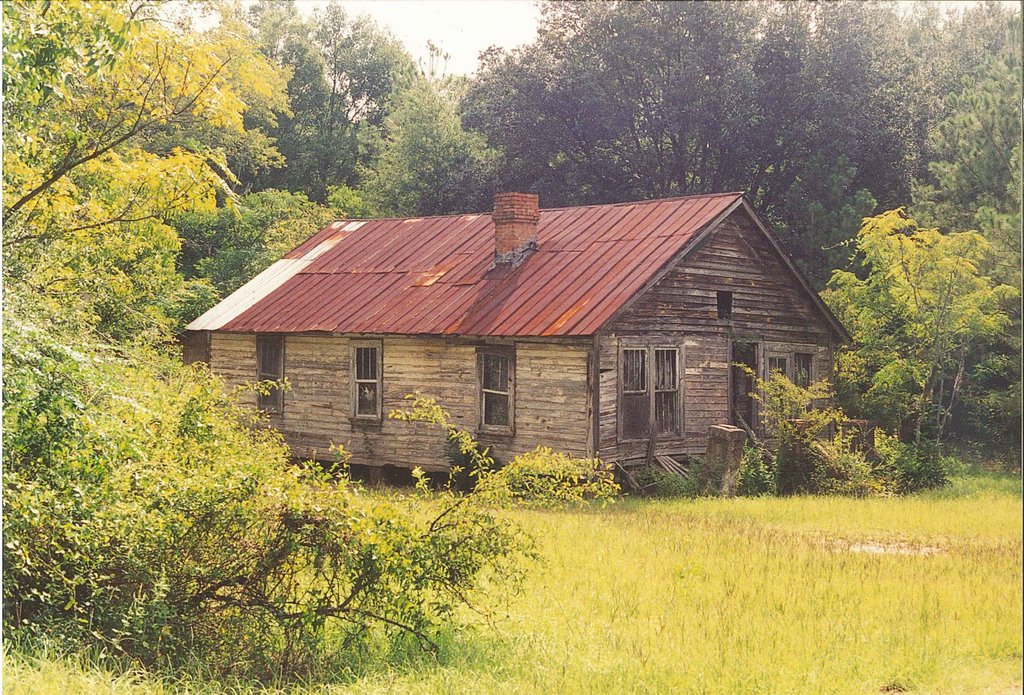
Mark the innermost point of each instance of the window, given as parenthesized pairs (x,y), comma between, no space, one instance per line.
(778,364)
(650,397)
(270,367)
(367,380)
(636,400)
(497,378)
(803,369)
(724,304)
(666,391)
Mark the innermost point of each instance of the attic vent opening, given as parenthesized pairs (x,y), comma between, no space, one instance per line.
(724,304)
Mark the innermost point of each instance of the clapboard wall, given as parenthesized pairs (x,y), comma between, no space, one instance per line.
(770,307)
(552,398)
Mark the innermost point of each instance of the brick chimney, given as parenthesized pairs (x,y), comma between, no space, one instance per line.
(515,227)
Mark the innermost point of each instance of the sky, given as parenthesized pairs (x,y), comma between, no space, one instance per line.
(461,28)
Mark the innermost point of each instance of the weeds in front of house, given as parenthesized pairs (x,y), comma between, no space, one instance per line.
(756,594)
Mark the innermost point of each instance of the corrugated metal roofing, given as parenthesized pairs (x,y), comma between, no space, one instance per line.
(433,275)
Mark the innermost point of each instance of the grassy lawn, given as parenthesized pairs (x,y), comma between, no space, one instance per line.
(725,596)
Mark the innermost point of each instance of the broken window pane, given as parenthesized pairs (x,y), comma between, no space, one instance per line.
(270,367)
(778,364)
(666,407)
(366,363)
(666,386)
(495,372)
(636,415)
(634,371)
(665,370)
(366,401)
(802,367)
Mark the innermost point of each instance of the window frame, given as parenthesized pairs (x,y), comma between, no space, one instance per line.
(509,353)
(677,415)
(263,375)
(354,381)
(651,389)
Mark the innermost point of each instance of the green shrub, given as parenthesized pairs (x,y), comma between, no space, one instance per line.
(757,473)
(144,514)
(840,471)
(543,477)
(910,468)
(536,478)
(655,482)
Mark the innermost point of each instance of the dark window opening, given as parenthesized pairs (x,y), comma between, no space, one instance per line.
(496,379)
(650,392)
(724,304)
(270,367)
(803,369)
(636,400)
(666,391)
(778,364)
(367,380)
(744,366)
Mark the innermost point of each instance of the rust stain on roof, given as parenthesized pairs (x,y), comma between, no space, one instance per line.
(434,275)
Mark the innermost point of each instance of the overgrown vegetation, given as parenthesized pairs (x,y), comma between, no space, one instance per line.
(541,477)
(838,586)
(816,449)
(153,163)
(145,514)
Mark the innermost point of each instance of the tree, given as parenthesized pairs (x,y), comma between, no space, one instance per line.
(817,110)
(428,164)
(921,310)
(344,72)
(974,180)
(84,198)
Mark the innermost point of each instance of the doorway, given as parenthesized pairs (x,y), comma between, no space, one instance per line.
(741,404)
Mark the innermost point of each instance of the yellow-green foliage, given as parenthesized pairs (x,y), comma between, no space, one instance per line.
(543,477)
(920,305)
(143,515)
(782,402)
(802,594)
(113,122)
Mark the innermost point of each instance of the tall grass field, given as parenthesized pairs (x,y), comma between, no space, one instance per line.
(753,595)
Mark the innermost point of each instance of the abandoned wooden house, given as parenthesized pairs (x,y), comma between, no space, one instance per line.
(593,330)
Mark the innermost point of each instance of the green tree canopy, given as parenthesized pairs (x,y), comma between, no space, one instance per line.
(344,71)
(427,161)
(919,311)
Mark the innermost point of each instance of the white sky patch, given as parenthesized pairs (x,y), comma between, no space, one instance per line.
(461,28)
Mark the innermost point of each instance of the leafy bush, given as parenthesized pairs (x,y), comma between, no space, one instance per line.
(654,482)
(839,471)
(540,477)
(757,473)
(910,468)
(144,514)
(544,477)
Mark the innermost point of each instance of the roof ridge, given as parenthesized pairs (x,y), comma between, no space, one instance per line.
(724,194)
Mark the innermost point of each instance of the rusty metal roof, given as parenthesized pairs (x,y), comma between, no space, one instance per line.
(433,275)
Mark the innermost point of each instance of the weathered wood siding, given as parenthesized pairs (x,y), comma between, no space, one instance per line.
(551,396)
(681,309)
